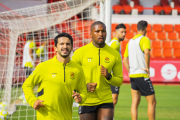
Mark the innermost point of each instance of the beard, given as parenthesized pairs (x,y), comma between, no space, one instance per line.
(66,55)
(121,39)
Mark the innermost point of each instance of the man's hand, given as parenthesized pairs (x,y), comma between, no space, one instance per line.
(147,70)
(38,104)
(104,72)
(77,97)
(91,87)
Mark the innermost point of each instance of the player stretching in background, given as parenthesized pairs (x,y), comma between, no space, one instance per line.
(57,79)
(115,43)
(98,60)
(29,58)
(138,54)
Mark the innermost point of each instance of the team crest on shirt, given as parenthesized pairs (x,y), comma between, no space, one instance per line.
(72,75)
(106,60)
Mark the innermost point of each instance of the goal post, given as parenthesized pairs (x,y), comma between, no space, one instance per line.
(42,22)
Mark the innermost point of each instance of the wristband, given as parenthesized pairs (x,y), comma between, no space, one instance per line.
(109,77)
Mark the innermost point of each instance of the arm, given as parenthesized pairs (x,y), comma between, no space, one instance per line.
(126,64)
(116,78)
(147,59)
(81,86)
(28,86)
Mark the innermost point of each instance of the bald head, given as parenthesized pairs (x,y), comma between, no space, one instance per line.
(97,23)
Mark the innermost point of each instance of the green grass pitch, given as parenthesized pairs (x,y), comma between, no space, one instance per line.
(167,108)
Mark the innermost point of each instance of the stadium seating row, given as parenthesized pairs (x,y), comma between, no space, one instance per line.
(154,27)
(163,8)
(167,49)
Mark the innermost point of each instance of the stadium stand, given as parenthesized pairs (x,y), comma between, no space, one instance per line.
(168,27)
(151,35)
(166,44)
(172,36)
(161,35)
(177,27)
(129,35)
(134,27)
(157,27)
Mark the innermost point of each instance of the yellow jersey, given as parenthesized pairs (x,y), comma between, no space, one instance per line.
(56,83)
(90,58)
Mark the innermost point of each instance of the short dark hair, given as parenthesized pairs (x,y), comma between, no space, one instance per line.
(120,26)
(62,35)
(30,37)
(142,25)
(97,23)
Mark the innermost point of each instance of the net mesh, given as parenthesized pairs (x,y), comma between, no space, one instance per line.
(42,22)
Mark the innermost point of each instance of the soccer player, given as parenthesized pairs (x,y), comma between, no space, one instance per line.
(115,43)
(138,54)
(28,60)
(42,51)
(59,80)
(98,60)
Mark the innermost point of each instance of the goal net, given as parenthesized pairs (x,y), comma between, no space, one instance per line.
(41,24)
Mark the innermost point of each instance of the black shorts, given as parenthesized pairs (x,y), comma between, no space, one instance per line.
(28,71)
(114,89)
(144,85)
(93,109)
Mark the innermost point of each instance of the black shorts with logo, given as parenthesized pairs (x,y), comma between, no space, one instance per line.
(114,89)
(93,109)
(144,85)
(28,71)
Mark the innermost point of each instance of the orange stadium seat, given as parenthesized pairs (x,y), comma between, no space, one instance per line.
(157,27)
(136,2)
(123,2)
(134,27)
(127,9)
(164,2)
(129,35)
(122,51)
(176,44)
(179,35)
(117,9)
(151,35)
(176,2)
(157,9)
(156,44)
(166,44)
(168,28)
(167,52)
(139,8)
(157,52)
(167,9)
(172,36)
(177,8)
(176,53)
(149,28)
(113,26)
(127,27)
(177,27)
(161,36)
(123,44)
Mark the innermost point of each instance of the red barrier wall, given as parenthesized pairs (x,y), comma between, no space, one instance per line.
(161,71)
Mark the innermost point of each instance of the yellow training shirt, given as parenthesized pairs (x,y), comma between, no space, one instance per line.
(56,83)
(90,58)
(114,43)
(144,44)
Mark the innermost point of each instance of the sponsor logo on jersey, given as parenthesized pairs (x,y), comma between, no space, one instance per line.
(72,75)
(106,60)
(89,59)
(53,75)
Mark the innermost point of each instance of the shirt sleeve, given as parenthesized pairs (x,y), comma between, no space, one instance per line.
(29,84)
(76,57)
(32,45)
(39,51)
(126,51)
(115,45)
(145,44)
(81,86)
(117,73)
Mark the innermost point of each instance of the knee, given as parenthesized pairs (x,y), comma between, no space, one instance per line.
(154,102)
